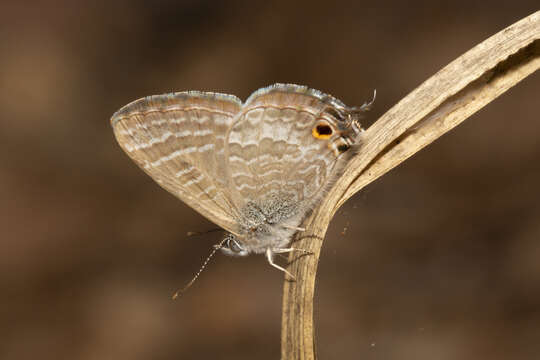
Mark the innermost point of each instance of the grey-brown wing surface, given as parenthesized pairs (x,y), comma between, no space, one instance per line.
(271,147)
(178,139)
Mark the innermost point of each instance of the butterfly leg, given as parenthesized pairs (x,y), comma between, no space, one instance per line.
(270,257)
(281,251)
(294,228)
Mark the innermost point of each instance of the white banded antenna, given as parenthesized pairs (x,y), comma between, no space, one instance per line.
(182,290)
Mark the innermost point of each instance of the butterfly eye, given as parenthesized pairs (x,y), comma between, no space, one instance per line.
(234,246)
(322,130)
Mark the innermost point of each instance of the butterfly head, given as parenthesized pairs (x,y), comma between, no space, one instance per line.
(232,246)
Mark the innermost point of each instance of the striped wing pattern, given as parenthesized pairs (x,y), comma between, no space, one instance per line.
(271,148)
(179,140)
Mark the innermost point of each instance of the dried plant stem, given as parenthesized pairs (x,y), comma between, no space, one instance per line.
(442,102)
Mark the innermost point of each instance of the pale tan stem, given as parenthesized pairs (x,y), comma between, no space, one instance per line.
(438,105)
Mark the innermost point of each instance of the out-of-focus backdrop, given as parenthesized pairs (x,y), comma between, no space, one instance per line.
(439,259)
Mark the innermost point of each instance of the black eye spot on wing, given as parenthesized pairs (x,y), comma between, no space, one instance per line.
(322,130)
(343,147)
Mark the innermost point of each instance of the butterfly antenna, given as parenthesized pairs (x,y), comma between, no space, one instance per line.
(197,233)
(366,106)
(182,290)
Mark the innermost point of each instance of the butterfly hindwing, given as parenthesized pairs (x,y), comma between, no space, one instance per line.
(271,148)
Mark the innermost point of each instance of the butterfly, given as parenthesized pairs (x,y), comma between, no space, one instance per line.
(255,168)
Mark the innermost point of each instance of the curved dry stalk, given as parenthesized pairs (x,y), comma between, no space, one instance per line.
(442,102)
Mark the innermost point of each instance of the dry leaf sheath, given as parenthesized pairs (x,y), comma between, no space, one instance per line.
(442,102)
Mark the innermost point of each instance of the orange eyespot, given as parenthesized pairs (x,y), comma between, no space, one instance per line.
(322,131)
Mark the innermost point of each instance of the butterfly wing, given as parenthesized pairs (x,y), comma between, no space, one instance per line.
(271,147)
(178,139)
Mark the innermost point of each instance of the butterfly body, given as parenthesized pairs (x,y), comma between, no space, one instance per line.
(266,224)
(255,168)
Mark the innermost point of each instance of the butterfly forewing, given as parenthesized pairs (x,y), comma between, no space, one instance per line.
(178,139)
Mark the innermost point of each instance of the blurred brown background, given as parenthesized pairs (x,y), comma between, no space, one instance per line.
(440,258)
